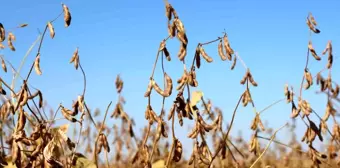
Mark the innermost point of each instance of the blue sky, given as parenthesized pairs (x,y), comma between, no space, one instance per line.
(122,37)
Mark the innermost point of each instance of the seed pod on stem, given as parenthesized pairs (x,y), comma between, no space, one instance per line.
(311,23)
(105,143)
(21,120)
(2,33)
(182,37)
(149,89)
(182,52)
(51,29)
(198,57)
(11,38)
(172,111)
(67,15)
(205,55)
(295,112)
(178,151)
(23,101)
(251,79)
(168,89)
(37,64)
(75,58)
(309,79)
(3,65)
(330,54)
(227,47)
(179,25)
(234,63)
(171,30)
(312,50)
(169,11)
(167,54)
(220,51)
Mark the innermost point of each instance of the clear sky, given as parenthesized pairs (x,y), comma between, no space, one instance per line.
(122,37)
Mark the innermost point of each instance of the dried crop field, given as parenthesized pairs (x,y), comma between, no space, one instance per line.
(32,138)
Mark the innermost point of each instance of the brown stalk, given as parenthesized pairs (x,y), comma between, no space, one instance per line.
(264,151)
(95,156)
(228,131)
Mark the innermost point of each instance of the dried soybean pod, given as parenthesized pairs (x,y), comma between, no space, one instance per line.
(3,65)
(227,47)
(67,15)
(179,25)
(251,79)
(244,79)
(205,55)
(157,88)
(23,25)
(312,19)
(21,120)
(311,27)
(198,57)
(11,38)
(24,97)
(330,55)
(220,51)
(312,50)
(178,151)
(169,10)
(182,37)
(75,58)
(167,54)
(183,81)
(172,111)
(234,63)
(105,143)
(51,29)
(68,111)
(37,64)
(182,52)
(149,89)
(168,89)
(172,30)
(309,79)
(2,33)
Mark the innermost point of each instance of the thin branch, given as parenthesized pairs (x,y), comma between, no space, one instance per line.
(226,135)
(272,138)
